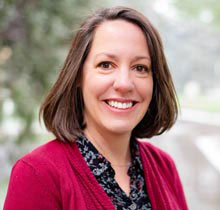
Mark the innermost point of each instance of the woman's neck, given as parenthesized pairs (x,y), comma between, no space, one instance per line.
(115,148)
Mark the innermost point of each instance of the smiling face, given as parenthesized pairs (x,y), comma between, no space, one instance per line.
(117,81)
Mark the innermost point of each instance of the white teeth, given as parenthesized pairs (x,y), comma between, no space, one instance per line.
(120,105)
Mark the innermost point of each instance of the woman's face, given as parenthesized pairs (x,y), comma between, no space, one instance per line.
(117,82)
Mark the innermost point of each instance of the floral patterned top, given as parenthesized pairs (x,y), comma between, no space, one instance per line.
(104,174)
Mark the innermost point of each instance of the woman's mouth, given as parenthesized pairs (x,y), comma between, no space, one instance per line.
(120,105)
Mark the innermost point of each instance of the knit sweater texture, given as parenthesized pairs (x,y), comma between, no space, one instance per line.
(56,177)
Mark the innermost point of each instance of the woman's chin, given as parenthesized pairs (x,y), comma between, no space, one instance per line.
(120,129)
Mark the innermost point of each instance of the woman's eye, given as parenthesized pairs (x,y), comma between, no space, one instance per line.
(105,65)
(142,69)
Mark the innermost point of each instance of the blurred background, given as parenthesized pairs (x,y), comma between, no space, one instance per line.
(34,41)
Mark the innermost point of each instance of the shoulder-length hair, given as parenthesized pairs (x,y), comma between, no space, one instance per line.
(62,109)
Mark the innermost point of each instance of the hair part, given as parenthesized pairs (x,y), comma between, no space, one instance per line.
(62,109)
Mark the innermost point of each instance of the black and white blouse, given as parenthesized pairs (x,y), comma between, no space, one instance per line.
(104,174)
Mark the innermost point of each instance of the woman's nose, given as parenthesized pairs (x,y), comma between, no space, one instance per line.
(123,81)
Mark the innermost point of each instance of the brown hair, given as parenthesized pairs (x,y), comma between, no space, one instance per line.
(62,109)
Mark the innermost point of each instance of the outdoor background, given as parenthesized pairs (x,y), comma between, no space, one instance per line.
(34,40)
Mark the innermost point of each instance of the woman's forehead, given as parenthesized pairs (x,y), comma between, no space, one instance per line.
(119,36)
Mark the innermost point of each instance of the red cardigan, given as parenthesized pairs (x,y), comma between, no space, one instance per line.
(55,177)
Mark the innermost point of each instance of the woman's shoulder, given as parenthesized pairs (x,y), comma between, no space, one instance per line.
(50,151)
(146,146)
(155,155)
(45,164)
(48,157)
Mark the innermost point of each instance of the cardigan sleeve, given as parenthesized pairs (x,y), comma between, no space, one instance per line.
(171,173)
(178,186)
(30,190)
(163,181)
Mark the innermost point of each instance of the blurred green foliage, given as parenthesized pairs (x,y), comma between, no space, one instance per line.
(205,10)
(34,37)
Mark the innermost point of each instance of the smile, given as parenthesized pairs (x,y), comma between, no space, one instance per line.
(120,105)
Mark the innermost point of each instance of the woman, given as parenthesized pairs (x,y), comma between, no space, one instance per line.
(114,87)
